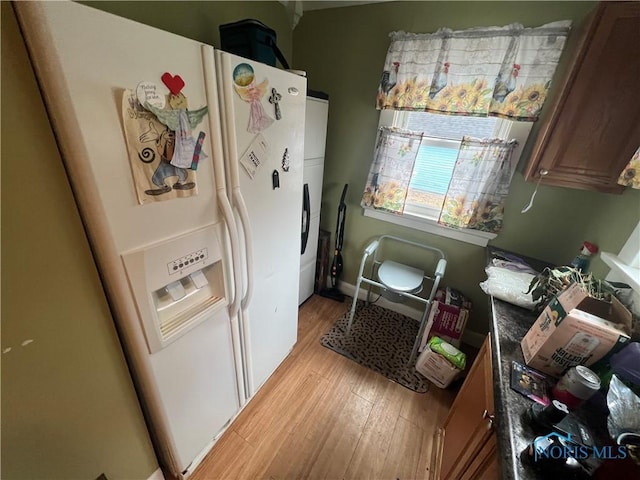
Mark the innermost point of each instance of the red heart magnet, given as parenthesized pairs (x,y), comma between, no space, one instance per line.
(173,82)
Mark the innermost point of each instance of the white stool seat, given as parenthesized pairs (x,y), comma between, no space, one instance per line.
(399,277)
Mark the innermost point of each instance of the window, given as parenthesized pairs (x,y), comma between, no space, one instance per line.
(437,156)
(435,162)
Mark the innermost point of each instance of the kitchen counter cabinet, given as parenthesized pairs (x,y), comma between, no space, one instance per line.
(466,444)
(509,324)
(593,127)
(485,465)
(513,431)
(487,426)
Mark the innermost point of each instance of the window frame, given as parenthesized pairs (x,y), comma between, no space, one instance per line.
(504,129)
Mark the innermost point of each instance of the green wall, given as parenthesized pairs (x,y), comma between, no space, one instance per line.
(343,51)
(69,409)
(200,20)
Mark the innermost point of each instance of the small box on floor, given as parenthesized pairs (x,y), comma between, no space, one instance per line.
(448,317)
(441,362)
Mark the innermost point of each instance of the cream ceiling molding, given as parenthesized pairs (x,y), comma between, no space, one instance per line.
(296,8)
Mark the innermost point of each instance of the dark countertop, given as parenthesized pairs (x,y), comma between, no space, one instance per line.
(509,324)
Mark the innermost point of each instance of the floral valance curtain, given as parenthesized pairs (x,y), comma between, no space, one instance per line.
(630,176)
(498,71)
(391,169)
(479,185)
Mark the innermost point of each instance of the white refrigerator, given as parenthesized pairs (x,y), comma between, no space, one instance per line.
(193,214)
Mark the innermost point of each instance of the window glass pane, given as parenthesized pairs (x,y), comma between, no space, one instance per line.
(437,157)
(433,168)
(448,126)
(432,173)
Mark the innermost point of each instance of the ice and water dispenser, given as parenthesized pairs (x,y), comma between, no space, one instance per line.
(177,283)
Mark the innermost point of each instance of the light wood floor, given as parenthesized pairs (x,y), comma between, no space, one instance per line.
(323,416)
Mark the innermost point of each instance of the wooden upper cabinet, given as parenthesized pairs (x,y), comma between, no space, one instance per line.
(593,128)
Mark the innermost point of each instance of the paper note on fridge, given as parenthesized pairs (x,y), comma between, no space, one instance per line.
(256,155)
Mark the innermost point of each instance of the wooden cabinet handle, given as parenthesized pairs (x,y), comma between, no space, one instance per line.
(489,416)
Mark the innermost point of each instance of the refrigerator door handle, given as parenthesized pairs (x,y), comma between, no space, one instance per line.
(227,213)
(306,210)
(248,241)
(224,204)
(224,73)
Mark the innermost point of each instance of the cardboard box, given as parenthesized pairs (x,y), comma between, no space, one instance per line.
(575,329)
(436,368)
(447,318)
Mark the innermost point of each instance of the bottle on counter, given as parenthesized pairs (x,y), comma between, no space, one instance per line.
(582,260)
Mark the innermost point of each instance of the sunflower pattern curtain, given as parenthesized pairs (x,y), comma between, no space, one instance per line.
(630,176)
(497,71)
(479,185)
(391,170)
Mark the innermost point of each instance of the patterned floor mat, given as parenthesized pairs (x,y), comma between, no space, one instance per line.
(380,340)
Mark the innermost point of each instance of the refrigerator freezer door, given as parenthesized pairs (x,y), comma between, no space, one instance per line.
(198,386)
(84,60)
(101,55)
(250,91)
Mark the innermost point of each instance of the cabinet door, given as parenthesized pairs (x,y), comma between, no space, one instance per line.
(594,127)
(315,127)
(485,465)
(467,427)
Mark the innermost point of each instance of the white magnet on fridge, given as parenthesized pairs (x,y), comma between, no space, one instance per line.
(148,92)
(198,279)
(176,290)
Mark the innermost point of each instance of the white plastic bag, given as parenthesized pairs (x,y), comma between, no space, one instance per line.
(624,409)
(510,286)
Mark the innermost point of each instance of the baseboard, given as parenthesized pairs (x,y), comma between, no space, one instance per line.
(203,453)
(469,337)
(157,475)
(436,454)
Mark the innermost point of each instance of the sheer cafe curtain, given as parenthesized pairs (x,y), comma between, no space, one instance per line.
(479,185)
(391,170)
(630,176)
(493,71)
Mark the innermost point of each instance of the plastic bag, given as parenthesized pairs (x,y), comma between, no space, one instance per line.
(624,409)
(510,286)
